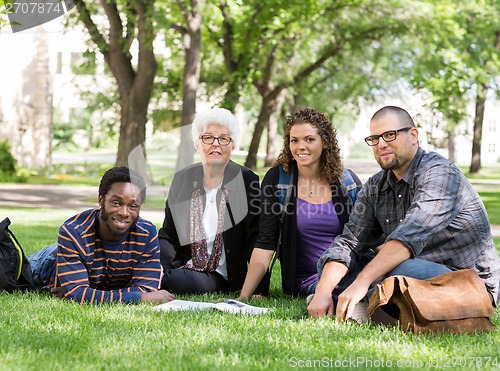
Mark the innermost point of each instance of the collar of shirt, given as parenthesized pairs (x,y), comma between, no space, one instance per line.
(232,175)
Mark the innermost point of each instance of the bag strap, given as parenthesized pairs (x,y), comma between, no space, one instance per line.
(20,252)
(283,194)
(352,183)
(282,188)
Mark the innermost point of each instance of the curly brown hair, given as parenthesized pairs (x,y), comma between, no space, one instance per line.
(330,161)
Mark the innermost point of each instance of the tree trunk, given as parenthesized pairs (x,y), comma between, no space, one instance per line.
(236,66)
(138,86)
(273,146)
(297,101)
(190,83)
(475,164)
(267,108)
(451,146)
(132,127)
(233,94)
(134,85)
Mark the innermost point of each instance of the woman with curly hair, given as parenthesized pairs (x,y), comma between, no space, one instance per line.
(318,207)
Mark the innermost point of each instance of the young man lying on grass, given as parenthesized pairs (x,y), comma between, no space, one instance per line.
(108,254)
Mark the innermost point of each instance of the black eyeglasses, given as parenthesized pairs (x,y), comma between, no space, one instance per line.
(209,139)
(388,136)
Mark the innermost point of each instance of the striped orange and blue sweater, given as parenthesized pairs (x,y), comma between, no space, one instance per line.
(92,270)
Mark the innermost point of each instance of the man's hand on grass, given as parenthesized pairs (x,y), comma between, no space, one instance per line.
(160,296)
(321,305)
(57,292)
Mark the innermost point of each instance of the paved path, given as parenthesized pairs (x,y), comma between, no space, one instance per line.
(58,196)
(80,197)
(65,197)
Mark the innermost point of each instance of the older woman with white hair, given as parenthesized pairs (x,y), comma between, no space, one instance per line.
(211,214)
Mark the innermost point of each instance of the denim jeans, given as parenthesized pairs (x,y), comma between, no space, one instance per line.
(43,264)
(414,268)
(418,268)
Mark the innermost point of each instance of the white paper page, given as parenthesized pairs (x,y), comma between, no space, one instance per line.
(183,305)
(235,306)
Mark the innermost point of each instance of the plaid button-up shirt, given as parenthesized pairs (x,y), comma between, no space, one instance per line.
(433,210)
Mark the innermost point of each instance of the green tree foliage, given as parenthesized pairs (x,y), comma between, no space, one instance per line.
(308,52)
(7,161)
(280,46)
(455,57)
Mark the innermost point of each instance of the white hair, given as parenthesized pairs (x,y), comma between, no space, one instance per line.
(217,116)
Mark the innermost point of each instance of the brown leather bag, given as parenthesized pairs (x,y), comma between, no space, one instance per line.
(456,302)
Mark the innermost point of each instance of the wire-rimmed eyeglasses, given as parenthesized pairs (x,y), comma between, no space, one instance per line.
(209,139)
(387,136)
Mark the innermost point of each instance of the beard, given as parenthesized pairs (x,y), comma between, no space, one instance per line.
(391,165)
(110,228)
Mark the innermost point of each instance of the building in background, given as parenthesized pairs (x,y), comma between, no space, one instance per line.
(37,82)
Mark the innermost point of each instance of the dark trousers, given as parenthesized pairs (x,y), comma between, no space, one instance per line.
(186,281)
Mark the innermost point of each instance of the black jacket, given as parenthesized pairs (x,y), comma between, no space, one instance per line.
(241,221)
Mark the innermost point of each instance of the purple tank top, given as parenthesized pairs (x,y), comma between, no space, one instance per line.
(317,227)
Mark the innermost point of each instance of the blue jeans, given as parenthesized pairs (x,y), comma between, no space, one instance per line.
(414,268)
(418,268)
(43,265)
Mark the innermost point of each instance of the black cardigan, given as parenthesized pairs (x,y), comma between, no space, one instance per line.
(270,222)
(241,221)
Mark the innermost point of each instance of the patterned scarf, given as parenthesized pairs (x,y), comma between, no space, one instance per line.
(199,248)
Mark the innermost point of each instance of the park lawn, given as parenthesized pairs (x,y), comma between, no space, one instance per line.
(491,200)
(41,332)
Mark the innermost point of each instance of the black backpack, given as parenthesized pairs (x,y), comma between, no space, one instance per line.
(15,270)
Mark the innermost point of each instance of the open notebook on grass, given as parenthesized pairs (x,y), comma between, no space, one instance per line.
(230,305)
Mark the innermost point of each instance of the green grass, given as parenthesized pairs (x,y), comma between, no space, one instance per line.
(490,172)
(491,200)
(44,333)
(66,180)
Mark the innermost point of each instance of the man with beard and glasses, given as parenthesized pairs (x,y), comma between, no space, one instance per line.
(430,219)
(108,254)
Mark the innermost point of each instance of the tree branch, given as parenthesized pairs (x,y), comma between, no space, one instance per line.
(95,35)
(182,6)
(192,16)
(131,15)
(147,65)
(268,70)
(227,43)
(115,24)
